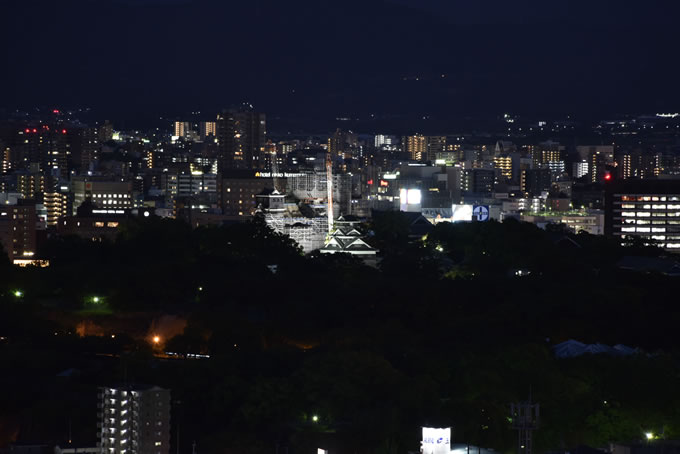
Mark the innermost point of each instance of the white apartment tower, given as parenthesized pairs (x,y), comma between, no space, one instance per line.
(134,419)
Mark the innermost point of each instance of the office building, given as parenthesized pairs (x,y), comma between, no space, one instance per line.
(105,194)
(134,419)
(644,210)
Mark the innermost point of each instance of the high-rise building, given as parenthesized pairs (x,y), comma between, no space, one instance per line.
(31,185)
(134,419)
(57,206)
(181,128)
(384,141)
(478,181)
(18,229)
(535,181)
(92,139)
(241,136)
(435,145)
(208,128)
(504,164)
(545,152)
(415,146)
(580,169)
(646,210)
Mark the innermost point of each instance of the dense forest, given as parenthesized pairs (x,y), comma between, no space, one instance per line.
(323,351)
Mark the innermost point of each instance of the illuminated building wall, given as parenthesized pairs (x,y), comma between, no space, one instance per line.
(56,205)
(134,420)
(105,194)
(645,209)
(415,146)
(504,163)
(208,128)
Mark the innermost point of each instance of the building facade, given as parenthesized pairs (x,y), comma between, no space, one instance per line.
(134,420)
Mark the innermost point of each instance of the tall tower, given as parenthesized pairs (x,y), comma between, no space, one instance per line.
(134,420)
(525,419)
(415,146)
(241,135)
(329,189)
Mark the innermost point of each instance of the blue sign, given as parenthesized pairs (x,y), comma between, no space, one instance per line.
(480,213)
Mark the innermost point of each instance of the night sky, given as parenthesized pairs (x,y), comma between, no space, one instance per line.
(334,58)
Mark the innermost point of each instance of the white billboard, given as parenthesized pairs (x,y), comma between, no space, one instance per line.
(461,213)
(410,199)
(436,441)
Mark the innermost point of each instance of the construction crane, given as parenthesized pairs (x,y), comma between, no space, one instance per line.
(329,188)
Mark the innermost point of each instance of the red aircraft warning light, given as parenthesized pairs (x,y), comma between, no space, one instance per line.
(607,176)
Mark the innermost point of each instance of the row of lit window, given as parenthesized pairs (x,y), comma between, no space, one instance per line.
(650,207)
(110,196)
(646,222)
(644,229)
(631,198)
(646,214)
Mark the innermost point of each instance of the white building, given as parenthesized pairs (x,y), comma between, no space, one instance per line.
(134,419)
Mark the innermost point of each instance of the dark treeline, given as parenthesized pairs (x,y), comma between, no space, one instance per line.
(323,351)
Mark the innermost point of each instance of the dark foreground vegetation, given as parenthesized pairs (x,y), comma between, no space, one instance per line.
(315,351)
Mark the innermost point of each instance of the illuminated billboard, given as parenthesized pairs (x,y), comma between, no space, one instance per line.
(461,213)
(410,199)
(436,441)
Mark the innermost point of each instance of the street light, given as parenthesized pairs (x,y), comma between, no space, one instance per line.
(315,418)
(18,293)
(96,299)
(649,435)
(156,339)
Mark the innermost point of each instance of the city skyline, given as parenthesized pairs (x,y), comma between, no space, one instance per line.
(334,59)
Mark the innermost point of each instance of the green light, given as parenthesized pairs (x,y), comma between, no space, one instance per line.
(96,299)
(18,293)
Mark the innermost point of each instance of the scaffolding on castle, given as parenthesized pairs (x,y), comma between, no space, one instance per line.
(309,233)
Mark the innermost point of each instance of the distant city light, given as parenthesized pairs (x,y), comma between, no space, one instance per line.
(156,339)
(18,293)
(315,418)
(649,435)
